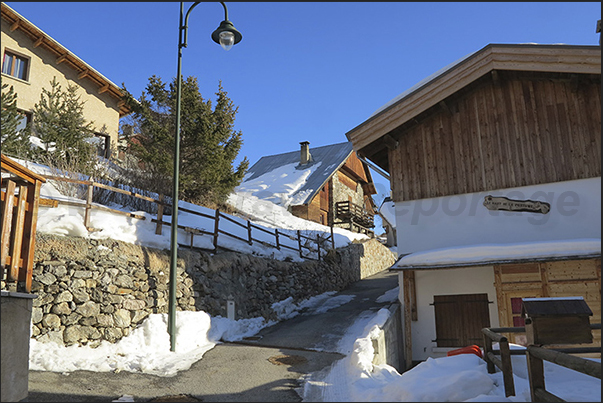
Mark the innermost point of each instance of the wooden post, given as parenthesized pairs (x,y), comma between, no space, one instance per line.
(88,205)
(299,243)
(535,374)
(278,245)
(159,215)
(249,232)
(332,237)
(216,230)
(507,367)
(487,350)
(17,234)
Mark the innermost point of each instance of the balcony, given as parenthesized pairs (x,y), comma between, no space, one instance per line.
(355,216)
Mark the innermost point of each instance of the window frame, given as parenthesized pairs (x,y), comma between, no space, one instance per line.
(14,56)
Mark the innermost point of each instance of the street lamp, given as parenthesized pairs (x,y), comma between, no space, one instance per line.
(227,36)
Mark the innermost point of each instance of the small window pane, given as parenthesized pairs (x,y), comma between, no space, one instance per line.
(7,64)
(516,305)
(15,66)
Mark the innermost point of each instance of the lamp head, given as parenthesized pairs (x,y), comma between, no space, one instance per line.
(226,35)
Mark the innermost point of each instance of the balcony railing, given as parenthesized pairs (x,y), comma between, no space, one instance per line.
(353,214)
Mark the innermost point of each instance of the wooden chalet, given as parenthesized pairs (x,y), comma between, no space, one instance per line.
(492,150)
(339,190)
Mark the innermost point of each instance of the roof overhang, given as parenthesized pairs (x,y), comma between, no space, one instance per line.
(488,263)
(40,38)
(372,135)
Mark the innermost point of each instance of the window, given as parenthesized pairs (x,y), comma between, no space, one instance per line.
(102,142)
(460,318)
(15,65)
(26,118)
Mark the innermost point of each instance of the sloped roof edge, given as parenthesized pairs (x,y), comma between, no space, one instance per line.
(585,59)
(30,28)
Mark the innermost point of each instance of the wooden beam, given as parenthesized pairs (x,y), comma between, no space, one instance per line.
(495,77)
(83,74)
(38,42)
(445,106)
(61,59)
(15,25)
(390,142)
(104,88)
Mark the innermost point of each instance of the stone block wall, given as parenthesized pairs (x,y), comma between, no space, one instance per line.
(93,290)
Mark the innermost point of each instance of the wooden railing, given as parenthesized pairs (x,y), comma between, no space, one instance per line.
(560,356)
(305,246)
(354,214)
(20,196)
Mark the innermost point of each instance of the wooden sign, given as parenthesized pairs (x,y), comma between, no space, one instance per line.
(504,203)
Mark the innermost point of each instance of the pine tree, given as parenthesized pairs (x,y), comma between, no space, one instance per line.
(60,124)
(14,142)
(208,142)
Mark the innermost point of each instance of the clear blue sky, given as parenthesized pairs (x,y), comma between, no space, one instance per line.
(304,71)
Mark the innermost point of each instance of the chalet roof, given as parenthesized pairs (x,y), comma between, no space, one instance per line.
(40,38)
(560,306)
(489,254)
(326,160)
(578,59)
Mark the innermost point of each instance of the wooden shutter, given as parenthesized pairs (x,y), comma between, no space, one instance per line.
(460,319)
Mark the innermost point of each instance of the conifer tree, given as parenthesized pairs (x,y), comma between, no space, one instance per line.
(14,142)
(60,124)
(208,142)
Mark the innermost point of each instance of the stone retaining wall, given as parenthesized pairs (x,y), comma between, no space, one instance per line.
(94,290)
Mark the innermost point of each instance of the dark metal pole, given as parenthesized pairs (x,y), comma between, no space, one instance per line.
(174,224)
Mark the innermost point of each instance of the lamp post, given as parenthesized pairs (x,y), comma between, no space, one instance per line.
(226,35)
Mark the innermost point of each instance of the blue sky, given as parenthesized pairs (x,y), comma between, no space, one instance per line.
(304,71)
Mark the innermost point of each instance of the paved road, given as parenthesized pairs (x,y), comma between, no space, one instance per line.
(264,368)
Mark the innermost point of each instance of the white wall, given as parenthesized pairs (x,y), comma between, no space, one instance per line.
(475,280)
(463,219)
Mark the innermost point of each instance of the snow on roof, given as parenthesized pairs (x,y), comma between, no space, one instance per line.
(280,179)
(476,255)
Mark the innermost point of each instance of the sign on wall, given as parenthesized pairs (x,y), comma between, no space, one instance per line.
(504,203)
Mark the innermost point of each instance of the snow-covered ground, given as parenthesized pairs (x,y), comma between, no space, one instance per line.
(353,378)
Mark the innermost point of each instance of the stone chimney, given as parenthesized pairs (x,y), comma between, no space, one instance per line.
(305,156)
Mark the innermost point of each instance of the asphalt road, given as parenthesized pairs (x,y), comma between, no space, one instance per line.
(268,367)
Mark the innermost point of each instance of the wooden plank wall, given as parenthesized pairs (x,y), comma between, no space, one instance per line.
(564,278)
(508,129)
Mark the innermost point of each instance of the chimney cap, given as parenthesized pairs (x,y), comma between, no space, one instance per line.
(304,142)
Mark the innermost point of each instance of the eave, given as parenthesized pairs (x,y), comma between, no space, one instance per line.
(63,55)
(372,136)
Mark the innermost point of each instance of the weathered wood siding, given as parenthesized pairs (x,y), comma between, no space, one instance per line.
(566,278)
(507,129)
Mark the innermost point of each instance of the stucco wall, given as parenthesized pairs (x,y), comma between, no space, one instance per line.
(475,280)
(463,219)
(98,108)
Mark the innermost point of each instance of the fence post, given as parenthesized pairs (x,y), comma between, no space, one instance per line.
(249,232)
(332,237)
(278,245)
(88,205)
(299,243)
(216,230)
(318,245)
(535,374)
(507,367)
(159,215)
(487,350)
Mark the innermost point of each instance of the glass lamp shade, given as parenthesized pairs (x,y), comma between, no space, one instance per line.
(227,39)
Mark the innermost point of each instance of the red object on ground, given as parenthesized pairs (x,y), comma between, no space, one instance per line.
(474,349)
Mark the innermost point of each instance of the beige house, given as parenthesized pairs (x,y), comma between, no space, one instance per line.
(30,61)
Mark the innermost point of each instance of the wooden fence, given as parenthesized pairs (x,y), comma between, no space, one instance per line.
(534,356)
(305,246)
(20,195)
